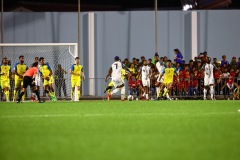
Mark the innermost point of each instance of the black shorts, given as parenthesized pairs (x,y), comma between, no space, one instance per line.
(28,81)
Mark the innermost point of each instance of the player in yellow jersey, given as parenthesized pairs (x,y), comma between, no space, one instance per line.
(19,69)
(46,74)
(168,74)
(5,72)
(76,72)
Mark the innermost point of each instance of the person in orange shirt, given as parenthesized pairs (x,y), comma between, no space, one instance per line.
(28,80)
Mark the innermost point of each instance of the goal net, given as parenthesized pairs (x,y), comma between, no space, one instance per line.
(60,57)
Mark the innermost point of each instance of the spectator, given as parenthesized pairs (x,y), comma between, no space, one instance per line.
(191,66)
(179,56)
(238,63)
(204,58)
(178,67)
(126,62)
(155,58)
(215,62)
(224,61)
(233,64)
(195,62)
(133,70)
(142,59)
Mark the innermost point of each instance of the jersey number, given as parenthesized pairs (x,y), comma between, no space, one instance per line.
(116,66)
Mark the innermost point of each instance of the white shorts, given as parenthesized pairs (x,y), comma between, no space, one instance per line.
(37,80)
(208,81)
(117,81)
(160,80)
(146,82)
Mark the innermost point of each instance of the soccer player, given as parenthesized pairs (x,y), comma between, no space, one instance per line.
(76,72)
(5,72)
(19,69)
(160,67)
(110,84)
(37,81)
(46,74)
(28,79)
(208,78)
(116,75)
(168,74)
(146,74)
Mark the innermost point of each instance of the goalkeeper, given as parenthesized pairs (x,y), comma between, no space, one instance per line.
(46,74)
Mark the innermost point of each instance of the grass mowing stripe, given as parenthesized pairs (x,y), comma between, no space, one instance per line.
(102,115)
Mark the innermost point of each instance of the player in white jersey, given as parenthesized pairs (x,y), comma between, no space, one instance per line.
(146,73)
(118,82)
(208,78)
(160,67)
(37,82)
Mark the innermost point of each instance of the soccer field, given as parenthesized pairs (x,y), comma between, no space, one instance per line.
(115,130)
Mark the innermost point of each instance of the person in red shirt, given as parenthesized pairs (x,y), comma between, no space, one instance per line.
(28,80)
(132,83)
(229,86)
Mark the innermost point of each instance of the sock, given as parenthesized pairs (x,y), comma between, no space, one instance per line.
(20,96)
(14,94)
(7,95)
(53,93)
(79,94)
(108,89)
(204,92)
(147,96)
(167,95)
(123,92)
(50,94)
(23,97)
(37,94)
(157,91)
(144,94)
(211,91)
(72,94)
(165,92)
(160,94)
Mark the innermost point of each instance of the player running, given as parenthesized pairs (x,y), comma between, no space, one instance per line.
(76,72)
(28,79)
(208,78)
(46,74)
(168,74)
(5,72)
(116,75)
(19,69)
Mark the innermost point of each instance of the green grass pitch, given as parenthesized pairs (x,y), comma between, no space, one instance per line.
(115,130)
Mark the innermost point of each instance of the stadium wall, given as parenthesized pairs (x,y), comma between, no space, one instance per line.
(128,34)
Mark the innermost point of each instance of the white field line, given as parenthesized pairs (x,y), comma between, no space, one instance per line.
(122,114)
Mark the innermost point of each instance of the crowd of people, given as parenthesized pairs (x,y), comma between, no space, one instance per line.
(160,78)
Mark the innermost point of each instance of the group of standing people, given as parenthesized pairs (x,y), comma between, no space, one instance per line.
(39,70)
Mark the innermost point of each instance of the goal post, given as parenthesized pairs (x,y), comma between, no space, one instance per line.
(60,57)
